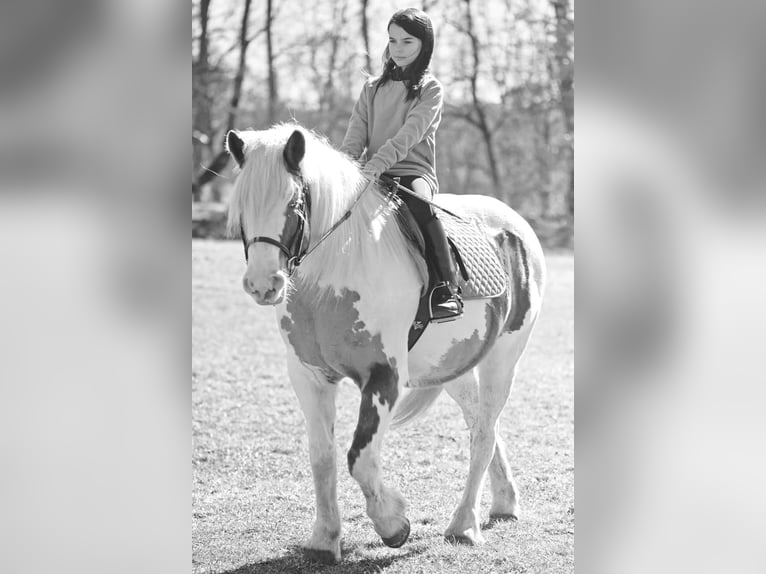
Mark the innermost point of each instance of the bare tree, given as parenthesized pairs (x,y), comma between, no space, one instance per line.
(477,116)
(201,121)
(366,37)
(222,157)
(204,17)
(339,19)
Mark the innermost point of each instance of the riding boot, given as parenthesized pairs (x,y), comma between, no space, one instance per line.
(445,299)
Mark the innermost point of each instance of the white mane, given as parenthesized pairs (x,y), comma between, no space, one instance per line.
(367,242)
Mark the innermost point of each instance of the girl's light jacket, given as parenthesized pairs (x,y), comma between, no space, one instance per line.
(399,136)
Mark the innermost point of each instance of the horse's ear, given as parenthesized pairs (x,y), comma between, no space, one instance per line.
(235,146)
(294,151)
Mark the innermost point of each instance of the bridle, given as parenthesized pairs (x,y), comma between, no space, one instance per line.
(300,208)
(296,246)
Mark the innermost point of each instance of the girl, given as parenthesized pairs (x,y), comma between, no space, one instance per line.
(395,121)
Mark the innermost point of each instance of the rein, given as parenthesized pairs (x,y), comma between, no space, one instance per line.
(335,226)
(386,181)
(391,182)
(301,207)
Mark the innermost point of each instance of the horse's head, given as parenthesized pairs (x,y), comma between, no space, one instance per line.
(269,208)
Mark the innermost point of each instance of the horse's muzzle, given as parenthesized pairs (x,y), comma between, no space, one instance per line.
(270,292)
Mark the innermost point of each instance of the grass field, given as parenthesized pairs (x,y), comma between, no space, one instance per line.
(252,498)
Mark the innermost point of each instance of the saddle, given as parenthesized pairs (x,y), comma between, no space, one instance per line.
(481,275)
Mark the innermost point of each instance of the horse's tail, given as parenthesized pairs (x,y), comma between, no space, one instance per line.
(413,404)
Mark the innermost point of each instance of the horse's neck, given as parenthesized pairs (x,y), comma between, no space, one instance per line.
(364,251)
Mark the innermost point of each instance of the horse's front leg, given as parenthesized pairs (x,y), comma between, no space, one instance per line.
(316,396)
(385,506)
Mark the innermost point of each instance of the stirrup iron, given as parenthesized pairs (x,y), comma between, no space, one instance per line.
(447,314)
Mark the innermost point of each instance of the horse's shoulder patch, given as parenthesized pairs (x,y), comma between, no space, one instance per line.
(299,330)
(326,330)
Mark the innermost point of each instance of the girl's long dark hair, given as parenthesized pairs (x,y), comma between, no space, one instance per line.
(416,23)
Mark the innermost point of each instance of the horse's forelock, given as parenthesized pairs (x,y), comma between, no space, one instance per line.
(263,179)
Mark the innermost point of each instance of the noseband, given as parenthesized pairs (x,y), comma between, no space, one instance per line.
(295,250)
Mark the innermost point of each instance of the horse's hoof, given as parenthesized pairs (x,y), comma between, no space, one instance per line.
(499,517)
(398,539)
(323,556)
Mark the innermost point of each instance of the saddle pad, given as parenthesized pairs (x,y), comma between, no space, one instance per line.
(486,277)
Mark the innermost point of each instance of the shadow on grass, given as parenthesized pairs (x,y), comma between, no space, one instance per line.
(294,562)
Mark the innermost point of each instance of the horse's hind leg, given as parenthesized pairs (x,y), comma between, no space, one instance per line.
(500,376)
(317,399)
(505,504)
(385,506)
(505,500)
(465,525)
(482,395)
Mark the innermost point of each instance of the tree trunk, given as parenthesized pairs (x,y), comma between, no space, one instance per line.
(565,78)
(222,157)
(202,55)
(327,97)
(272,78)
(201,121)
(366,36)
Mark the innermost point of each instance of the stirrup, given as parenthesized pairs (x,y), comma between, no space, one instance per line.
(446,306)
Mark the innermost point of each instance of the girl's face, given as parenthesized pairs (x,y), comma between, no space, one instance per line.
(402,46)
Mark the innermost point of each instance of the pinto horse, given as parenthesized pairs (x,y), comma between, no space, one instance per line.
(329,253)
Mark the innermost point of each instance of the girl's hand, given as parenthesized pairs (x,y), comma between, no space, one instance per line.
(370,173)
